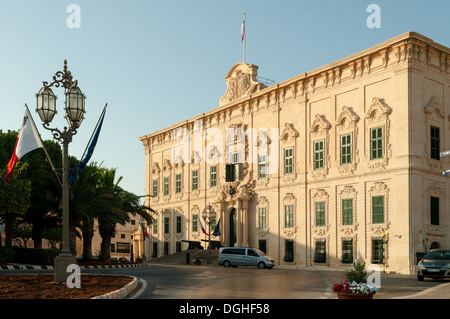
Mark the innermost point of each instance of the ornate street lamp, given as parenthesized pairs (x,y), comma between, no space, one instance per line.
(143,225)
(209,215)
(46,108)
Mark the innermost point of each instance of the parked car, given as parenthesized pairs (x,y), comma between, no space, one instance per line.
(241,256)
(435,264)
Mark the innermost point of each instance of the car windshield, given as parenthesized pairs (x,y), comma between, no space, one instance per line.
(438,255)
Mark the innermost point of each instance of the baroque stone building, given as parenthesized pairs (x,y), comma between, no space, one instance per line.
(332,166)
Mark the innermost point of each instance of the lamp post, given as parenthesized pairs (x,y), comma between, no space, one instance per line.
(74,111)
(142,223)
(209,215)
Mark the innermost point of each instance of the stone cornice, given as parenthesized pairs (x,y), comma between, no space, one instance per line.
(410,47)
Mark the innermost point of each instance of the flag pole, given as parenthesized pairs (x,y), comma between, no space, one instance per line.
(45,149)
(244,35)
(90,140)
(93,133)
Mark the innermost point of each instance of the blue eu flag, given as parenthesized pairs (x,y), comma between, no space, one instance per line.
(85,160)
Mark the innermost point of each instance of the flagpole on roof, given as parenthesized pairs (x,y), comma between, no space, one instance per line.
(45,149)
(243,35)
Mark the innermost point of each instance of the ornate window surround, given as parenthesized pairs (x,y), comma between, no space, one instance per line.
(434,189)
(378,116)
(288,139)
(347,192)
(155,176)
(319,195)
(167,173)
(347,123)
(434,116)
(320,130)
(263,203)
(289,199)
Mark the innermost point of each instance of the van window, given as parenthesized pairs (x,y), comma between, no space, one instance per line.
(251,252)
(234,251)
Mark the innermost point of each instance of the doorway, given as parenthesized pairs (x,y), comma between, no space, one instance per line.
(233,227)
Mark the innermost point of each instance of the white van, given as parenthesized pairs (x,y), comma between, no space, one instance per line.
(241,256)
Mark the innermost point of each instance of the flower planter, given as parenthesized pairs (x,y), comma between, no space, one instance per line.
(344,295)
(198,262)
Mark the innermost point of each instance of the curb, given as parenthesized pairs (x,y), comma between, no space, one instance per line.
(122,292)
(35,267)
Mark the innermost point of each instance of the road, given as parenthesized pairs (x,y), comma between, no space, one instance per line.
(213,282)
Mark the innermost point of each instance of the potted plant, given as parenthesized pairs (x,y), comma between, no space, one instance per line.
(197,261)
(355,286)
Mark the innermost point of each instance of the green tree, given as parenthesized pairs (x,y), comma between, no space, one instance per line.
(46,193)
(83,206)
(14,199)
(121,204)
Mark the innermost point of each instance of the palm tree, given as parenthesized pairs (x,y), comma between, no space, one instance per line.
(123,203)
(84,202)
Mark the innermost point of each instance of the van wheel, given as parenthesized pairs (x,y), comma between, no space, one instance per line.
(227,264)
(261,265)
(419,278)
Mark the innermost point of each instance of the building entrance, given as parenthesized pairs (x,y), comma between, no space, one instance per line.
(232,227)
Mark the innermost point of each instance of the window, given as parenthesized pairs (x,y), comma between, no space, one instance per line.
(346,149)
(155,188)
(320,251)
(178,224)
(155,226)
(194,180)
(347,211)
(166,225)
(347,251)
(213,176)
(435,143)
(166,186)
(124,248)
(261,166)
(320,214)
(376,143)
(178,183)
(194,223)
(318,154)
(377,209)
(232,169)
(434,210)
(288,216)
(262,218)
(289,250)
(377,251)
(263,245)
(288,160)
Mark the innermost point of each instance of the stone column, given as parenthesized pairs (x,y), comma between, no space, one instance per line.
(245,228)
(239,224)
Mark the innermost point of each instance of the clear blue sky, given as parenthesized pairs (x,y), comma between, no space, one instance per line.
(157,63)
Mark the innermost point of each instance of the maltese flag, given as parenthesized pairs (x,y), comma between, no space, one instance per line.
(27,141)
(202,228)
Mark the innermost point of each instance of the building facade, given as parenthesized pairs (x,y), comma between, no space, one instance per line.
(332,166)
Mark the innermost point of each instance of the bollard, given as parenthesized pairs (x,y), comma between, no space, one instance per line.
(188,258)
